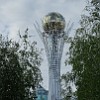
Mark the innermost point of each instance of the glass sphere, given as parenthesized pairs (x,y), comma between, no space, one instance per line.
(53,21)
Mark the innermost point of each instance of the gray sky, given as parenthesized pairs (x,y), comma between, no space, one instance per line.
(20,14)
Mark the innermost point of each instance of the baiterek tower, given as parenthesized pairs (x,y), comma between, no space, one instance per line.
(53,39)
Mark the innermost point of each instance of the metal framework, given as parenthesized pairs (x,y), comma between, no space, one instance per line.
(54,42)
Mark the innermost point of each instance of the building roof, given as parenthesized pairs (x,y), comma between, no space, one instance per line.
(41,91)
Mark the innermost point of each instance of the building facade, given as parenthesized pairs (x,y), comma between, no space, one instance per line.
(42,94)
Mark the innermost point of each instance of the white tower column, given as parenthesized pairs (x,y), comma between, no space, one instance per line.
(54,71)
(54,43)
(53,39)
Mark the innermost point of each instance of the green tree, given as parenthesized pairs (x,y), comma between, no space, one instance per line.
(30,60)
(19,68)
(84,54)
(67,84)
(11,77)
(66,80)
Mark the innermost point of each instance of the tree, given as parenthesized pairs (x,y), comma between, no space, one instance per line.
(30,60)
(19,68)
(66,80)
(67,84)
(11,77)
(84,54)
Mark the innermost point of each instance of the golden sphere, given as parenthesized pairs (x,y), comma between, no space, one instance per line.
(53,21)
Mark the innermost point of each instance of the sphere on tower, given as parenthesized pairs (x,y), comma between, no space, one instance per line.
(53,21)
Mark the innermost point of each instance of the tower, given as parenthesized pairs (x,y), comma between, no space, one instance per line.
(53,39)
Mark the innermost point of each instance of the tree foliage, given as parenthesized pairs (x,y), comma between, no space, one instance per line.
(11,78)
(66,86)
(84,54)
(19,68)
(30,60)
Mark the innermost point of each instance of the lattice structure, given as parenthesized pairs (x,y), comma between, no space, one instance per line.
(54,43)
(53,39)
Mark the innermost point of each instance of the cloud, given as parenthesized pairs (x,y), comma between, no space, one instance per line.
(23,13)
(20,14)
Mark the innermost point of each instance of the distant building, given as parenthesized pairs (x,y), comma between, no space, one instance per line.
(42,94)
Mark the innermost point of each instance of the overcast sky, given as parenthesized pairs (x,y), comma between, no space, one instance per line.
(20,14)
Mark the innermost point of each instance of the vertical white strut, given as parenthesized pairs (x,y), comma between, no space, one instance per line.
(54,48)
(54,41)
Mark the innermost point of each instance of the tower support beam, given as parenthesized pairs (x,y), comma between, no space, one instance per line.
(53,39)
(54,47)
